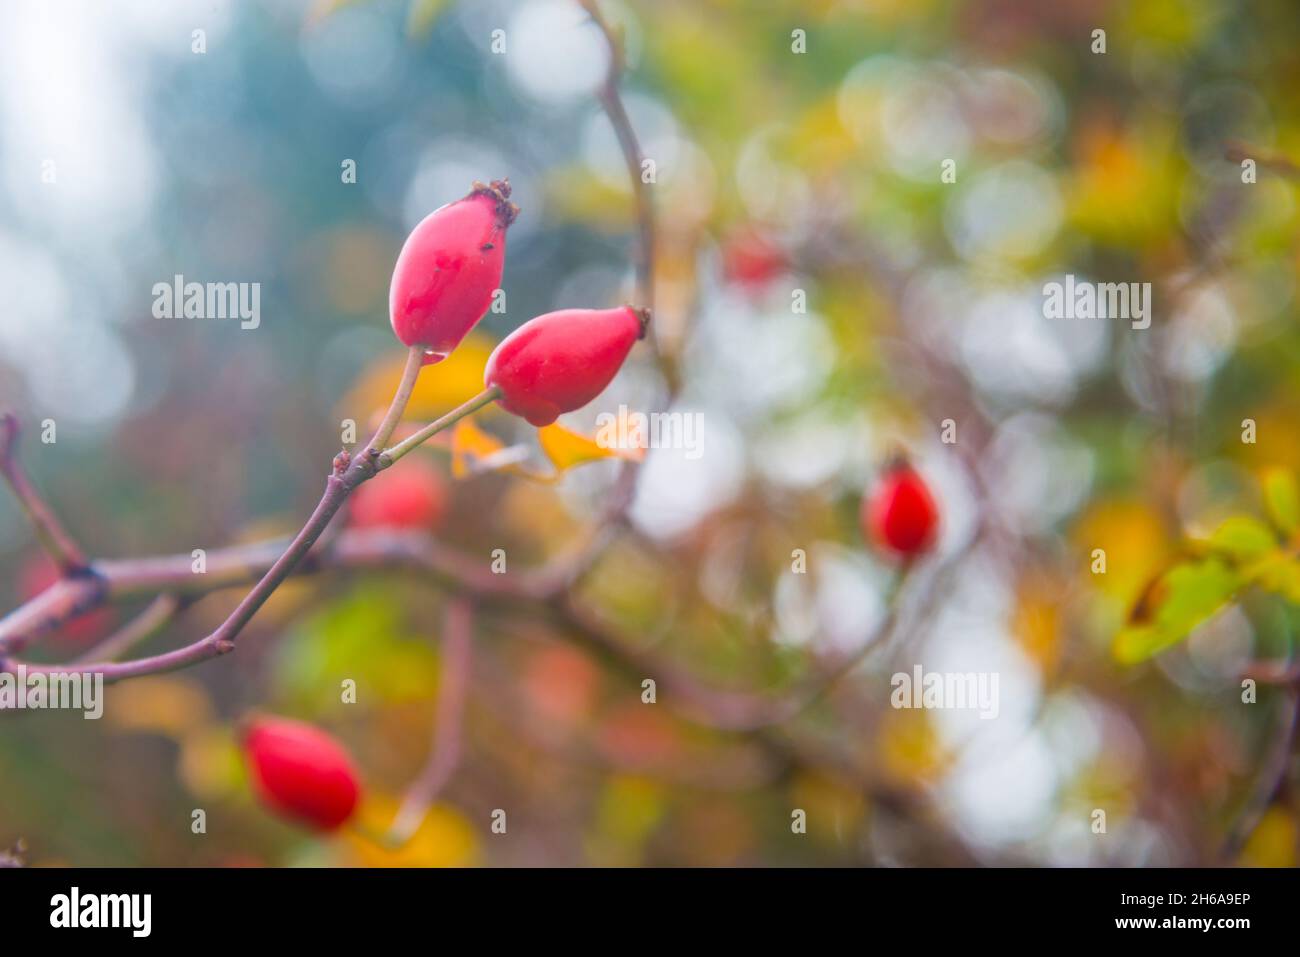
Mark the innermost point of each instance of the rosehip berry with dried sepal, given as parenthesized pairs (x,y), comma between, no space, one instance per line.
(301,772)
(562,360)
(413,496)
(449,268)
(901,513)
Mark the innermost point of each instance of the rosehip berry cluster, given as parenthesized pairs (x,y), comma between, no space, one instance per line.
(443,283)
(900,513)
(301,772)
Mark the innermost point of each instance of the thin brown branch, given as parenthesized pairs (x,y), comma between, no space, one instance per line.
(453,689)
(759,718)
(740,711)
(710,765)
(750,711)
(1279,163)
(156,616)
(612,101)
(66,599)
(1269,782)
(565,570)
(419,553)
(348,472)
(121,580)
(49,531)
(1273,672)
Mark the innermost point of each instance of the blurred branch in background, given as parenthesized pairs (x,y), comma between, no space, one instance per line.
(825,294)
(49,531)
(750,714)
(453,689)
(155,617)
(1273,772)
(1277,162)
(612,101)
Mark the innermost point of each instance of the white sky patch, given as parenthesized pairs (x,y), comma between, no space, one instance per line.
(555,54)
(675,492)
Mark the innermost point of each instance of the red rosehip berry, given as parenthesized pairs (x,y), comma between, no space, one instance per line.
(562,360)
(900,513)
(301,772)
(751,259)
(449,268)
(412,496)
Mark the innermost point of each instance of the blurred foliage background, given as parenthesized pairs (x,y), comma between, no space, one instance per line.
(776,171)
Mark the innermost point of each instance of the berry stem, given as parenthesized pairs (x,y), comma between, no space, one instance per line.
(389,456)
(414,363)
(338,486)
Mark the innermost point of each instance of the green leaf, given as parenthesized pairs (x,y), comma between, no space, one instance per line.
(1282,498)
(1281,577)
(1184,597)
(359,635)
(1243,538)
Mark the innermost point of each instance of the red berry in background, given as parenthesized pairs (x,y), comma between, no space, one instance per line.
(301,772)
(562,360)
(900,512)
(449,268)
(750,258)
(413,495)
(37,574)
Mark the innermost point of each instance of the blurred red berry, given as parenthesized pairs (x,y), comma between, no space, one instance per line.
(562,360)
(449,268)
(37,574)
(412,494)
(900,513)
(750,258)
(301,772)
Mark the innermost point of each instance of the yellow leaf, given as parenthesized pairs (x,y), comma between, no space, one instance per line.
(164,705)
(566,448)
(1037,620)
(909,747)
(474,451)
(1273,842)
(1241,538)
(1176,602)
(1124,188)
(1134,540)
(1282,495)
(445,838)
(211,765)
(1280,575)
(440,388)
(630,807)
(834,808)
